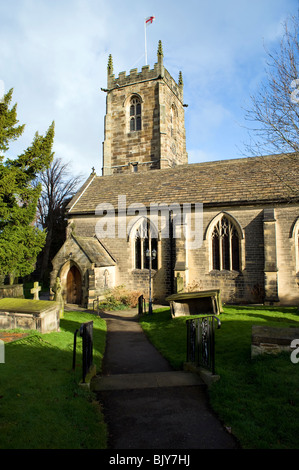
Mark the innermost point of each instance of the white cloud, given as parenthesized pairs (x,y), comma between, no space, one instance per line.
(54,53)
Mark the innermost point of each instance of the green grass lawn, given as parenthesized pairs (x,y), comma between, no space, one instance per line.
(41,403)
(259,398)
(43,407)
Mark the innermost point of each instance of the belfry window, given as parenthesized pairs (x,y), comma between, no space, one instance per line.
(135,114)
(225,246)
(144,241)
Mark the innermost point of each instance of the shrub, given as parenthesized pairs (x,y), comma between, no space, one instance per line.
(119,298)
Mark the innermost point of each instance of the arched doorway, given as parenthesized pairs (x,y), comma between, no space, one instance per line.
(73,286)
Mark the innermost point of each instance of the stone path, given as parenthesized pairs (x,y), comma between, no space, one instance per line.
(148,405)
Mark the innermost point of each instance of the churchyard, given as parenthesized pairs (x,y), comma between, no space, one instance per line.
(257,399)
(43,405)
(34,314)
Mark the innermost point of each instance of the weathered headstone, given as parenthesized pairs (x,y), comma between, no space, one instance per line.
(57,289)
(272,340)
(195,303)
(35,291)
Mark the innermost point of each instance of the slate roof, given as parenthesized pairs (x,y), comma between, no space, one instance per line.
(272,178)
(95,251)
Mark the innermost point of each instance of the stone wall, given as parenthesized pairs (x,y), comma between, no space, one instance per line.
(125,273)
(257,249)
(12,291)
(287,271)
(263,255)
(160,143)
(241,286)
(70,255)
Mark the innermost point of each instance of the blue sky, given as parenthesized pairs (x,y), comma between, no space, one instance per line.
(54,54)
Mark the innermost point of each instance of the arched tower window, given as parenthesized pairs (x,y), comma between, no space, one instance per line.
(135,114)
(225,246)
(143,240)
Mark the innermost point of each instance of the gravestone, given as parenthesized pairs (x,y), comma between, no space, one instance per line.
(15,291)
(35,291)
(195,303)
(40,315)
(272,340)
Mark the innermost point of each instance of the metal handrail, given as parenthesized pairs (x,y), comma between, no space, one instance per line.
(201,341)
(86,332)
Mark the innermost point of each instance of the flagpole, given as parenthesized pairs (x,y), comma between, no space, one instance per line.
(145,41)
(147,21)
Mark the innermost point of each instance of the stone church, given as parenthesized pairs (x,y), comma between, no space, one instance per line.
(242,213)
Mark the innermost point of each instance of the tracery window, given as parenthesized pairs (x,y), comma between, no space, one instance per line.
(135,114)
(142,242)
(225,246)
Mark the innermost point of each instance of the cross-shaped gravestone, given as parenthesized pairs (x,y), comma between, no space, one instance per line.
(35,290)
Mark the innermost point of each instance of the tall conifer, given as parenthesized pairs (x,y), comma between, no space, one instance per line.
(20,239)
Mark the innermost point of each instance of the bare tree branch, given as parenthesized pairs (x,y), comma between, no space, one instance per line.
(58,187)
(273,110)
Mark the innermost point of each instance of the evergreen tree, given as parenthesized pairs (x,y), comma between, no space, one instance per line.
(20,239)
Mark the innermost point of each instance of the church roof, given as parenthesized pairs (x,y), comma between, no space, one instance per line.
(268,179)
(95,251)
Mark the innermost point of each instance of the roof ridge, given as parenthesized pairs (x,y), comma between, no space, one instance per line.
(261,179)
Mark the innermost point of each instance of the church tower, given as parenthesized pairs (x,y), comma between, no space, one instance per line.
(144,122)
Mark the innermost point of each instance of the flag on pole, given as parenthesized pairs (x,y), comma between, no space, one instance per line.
(149,20)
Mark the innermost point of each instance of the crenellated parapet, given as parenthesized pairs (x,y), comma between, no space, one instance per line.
(144,122)
(146,74)
(134,76)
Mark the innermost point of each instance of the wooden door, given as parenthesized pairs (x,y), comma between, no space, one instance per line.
(74,286)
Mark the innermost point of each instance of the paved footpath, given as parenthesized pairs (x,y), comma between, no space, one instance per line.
(148,405)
